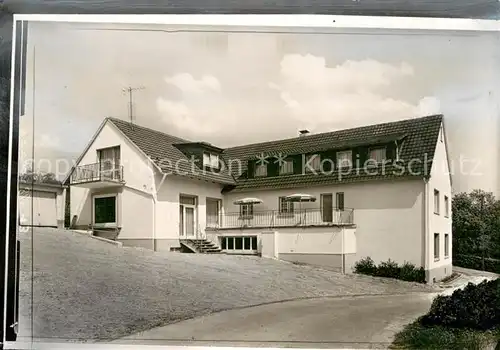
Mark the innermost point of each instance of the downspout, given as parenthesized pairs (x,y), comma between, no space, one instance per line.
(427,248)
(342,251)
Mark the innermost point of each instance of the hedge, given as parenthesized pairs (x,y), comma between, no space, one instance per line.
(406,272)
(476,263)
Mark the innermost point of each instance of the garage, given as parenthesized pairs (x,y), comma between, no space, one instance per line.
(39,206)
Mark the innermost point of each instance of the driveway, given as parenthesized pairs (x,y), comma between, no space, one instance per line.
(336,322)
(345,322)
(85,289)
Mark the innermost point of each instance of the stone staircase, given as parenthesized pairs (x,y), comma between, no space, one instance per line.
(201,246)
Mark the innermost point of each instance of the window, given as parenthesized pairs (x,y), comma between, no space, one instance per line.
(241,243)
(285,206)
(105,210)
(109,163)
(378,154)
(436,246)
(246,210)
(436,202)
(260,170)
(211,160)
(446,245)
(313,161)
(446,206)
(286,167)
(344,159)
(340,200)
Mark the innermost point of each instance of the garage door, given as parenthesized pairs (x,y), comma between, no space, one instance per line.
(44,208)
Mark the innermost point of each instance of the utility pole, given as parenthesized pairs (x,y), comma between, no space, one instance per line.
(129,90)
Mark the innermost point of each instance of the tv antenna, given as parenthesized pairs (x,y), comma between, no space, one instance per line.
(130,90)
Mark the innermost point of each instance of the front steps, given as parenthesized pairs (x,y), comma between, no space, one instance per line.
(201,246)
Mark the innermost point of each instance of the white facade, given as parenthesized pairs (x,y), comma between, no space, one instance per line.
(392,219)
(439,195)
(134,198)
(386,214)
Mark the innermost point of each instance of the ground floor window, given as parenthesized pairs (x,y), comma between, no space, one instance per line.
(105,210)
(244,243)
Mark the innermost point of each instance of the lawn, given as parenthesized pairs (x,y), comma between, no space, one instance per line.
(89,290)
(416,336)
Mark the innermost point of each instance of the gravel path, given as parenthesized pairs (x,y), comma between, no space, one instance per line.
(85,289)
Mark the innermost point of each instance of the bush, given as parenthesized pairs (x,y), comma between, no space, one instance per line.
(474,307)
(407,272)
(388,269)
(366,266)
(476,263)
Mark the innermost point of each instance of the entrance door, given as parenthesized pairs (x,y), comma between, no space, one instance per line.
(327,207)
(187,217)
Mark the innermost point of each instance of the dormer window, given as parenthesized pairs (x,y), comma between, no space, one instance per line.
(378,154)
(260,170)
(286,167)
(344,159)
(313,161)
(211,160)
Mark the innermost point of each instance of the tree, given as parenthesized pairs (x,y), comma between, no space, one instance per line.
(476,224)
(29,176)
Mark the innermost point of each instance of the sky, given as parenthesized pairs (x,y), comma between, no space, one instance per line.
(231,88)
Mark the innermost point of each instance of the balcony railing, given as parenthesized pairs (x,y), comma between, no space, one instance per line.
(274,218)
(97,172)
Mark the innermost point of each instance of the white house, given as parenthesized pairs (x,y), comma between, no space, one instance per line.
(382,191)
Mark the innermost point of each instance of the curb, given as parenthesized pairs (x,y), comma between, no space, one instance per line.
(116,243)
(82,232)
(89,234)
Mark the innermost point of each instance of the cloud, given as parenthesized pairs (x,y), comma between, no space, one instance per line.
(429,105)
(189,85)
(348,94)
(184,117)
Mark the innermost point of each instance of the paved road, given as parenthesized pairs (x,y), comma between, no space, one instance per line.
(354,322)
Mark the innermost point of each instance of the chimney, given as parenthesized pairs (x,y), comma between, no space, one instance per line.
(303,133)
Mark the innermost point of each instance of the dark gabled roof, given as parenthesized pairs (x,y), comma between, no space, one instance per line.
(420,136)
(159,147)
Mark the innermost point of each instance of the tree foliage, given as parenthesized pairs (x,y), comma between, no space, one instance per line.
(33,177)
(476,224)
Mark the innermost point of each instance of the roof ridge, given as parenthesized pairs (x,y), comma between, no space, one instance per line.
(112,119)
(331,132)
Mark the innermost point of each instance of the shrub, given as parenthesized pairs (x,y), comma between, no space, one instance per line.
(407,272)
(474,307)
(365,266)
(388,269)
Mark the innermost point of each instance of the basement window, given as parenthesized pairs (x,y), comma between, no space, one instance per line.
(239,244)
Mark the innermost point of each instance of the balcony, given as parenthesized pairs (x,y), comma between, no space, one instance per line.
(273,219)
(97,175)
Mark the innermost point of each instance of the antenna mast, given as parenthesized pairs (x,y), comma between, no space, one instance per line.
(129,90)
